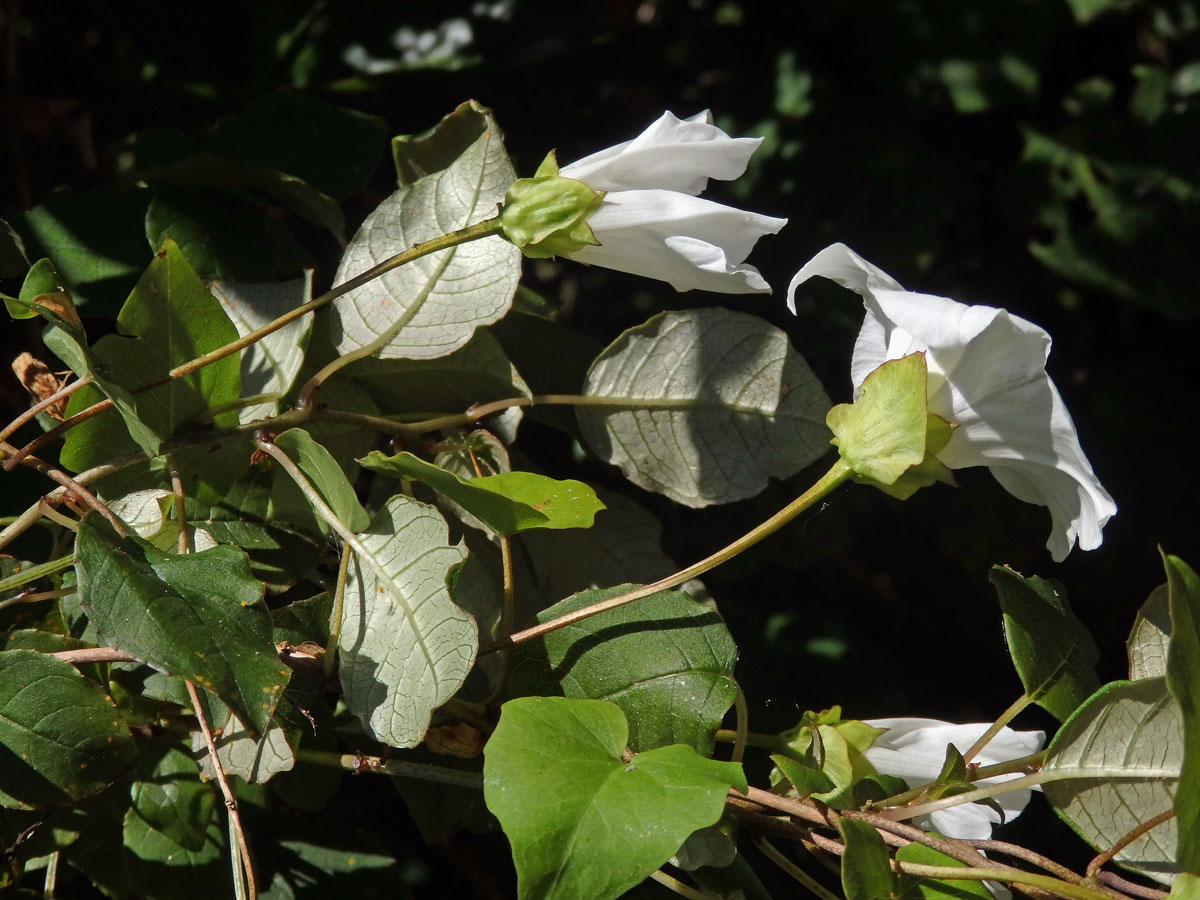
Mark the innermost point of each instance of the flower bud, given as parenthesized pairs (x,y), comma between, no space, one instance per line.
(546,215)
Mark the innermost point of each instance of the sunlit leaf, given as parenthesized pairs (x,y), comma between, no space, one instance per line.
(910,887)
(704,406)
(666,661)
(325,475)
(198,616)
(614,820)
(1148,639)
(404,647)
(1183,682)
(431,306)
(1115,764)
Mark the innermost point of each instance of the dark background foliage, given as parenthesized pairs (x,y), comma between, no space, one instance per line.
(1035,154)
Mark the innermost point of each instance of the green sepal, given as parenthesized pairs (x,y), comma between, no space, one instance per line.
(929,470)
(882,434)
(546,215)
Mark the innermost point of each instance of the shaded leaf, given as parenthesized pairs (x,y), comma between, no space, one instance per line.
(61,738)
(1053,652)
(665,661)
(404,647)
(325,475)
(704,406)
(431,306)
(198,616)
(804,780)
(1115,764)
(613,821)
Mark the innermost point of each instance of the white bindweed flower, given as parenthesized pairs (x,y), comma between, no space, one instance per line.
(915,750)
(987,376)
(651,221)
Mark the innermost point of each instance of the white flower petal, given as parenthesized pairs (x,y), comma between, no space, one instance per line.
(685,241)
(915,749)
(987,376)
(672,154)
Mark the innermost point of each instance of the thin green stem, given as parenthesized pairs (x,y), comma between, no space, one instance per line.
(1010,876)
(994,729)
(483,410)
(742,732)
(983,793)
(35,598)
(335,616)
(357,762)
(839,473)
(678,887)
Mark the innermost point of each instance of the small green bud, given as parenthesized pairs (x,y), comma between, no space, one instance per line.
(546,215)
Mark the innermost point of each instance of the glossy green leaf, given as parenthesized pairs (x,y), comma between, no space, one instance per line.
(404,647)
(805,781)
(169,318)
(1149,637)
(1183,682)
(882,433)
(1115,764)
(909,887)
(866,872)
(325,475)
(198,616)
(704,406)
(96,240)
(61,738)
(666,661)
(507,502)
(1053,652)
(431,306)
(614,820)
(271,364)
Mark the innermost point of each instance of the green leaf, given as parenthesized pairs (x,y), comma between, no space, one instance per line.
(507,502)
(666,661)
(324,474)
(61,738)
(614,820)
(279,553)
(910,887)
(13,258)
(1115,764)
(404,647)
(172,831)
(882,433)
(431,306)
(866,873)
(170,318)
(1183,681)
(1149,637)
(270,365)
(1185,887)
(96,240)
(804,780)
(1053,652)
(704,406)
(198,616)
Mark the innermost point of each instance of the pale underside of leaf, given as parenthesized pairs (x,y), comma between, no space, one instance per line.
(706,406)
(405,647)
(431,306)
(1115,765)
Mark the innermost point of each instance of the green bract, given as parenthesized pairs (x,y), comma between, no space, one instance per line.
(546,215)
